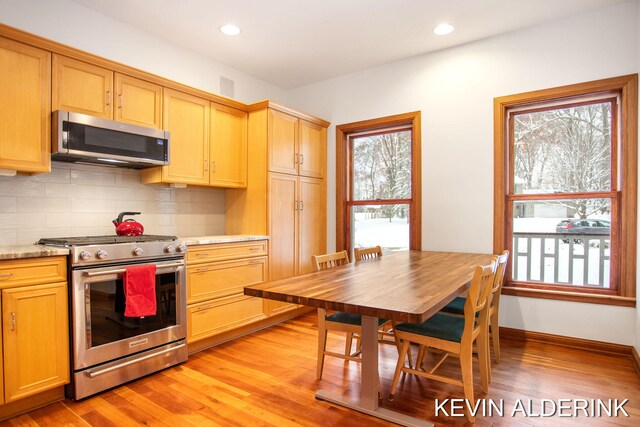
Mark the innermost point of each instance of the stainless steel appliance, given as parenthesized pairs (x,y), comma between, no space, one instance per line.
(88,139)
(109,348)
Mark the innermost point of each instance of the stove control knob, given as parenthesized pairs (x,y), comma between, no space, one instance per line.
(170,249)
(182,248)
(101,254)
(138,251)
(85,255)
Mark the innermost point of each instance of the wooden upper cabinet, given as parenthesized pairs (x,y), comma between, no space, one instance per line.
(35,337)
(313,149)
(283,142)
(25,107)
(138,102)
(228,147)
(187,118)
(82,87)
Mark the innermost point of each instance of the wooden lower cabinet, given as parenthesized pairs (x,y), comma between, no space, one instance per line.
(35,337)
(216,277)
(221,315)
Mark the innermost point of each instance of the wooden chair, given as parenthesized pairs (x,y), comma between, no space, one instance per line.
(349,323)
(454,335)
(363,254)
(456,306)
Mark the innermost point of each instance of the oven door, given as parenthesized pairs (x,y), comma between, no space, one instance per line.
(102,333)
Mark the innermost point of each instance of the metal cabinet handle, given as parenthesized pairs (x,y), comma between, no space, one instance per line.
(206,165)
(295,158)
(6,274)
(301,158)
(13,321)
(214,166)
(108,97)
(120,101)
(301,205)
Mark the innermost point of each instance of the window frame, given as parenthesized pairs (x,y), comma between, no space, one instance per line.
(344,195)
(624,183)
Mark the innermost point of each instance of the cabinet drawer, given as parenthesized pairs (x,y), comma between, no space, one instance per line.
(219,279)
(226,251)
(32,271)
(211,318)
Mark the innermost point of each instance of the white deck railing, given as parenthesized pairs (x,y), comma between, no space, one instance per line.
(562,258)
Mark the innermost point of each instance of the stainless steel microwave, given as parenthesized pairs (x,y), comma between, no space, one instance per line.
(87,139)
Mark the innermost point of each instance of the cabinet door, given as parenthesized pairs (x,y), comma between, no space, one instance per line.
(228,147)
(138,102)
(283,226)
(313,149)
(25,93)
(312,211)
(187,118)
(82,87)
(35,338)
(283,137)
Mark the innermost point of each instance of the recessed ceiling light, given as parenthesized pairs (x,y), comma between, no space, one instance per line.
(230,30)
(443,29)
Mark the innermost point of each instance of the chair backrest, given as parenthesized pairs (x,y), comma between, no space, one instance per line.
(323,262)
(496,290)
(478,297)
(361,254)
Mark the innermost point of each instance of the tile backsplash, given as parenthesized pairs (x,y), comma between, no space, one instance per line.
(81,200)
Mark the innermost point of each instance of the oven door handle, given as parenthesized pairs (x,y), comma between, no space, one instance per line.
(122,270)
(93,374)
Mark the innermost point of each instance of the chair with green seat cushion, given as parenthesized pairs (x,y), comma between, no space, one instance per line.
(453,335)
(456,306)
(349,323)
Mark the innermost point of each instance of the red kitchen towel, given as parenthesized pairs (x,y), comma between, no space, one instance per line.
(140,291)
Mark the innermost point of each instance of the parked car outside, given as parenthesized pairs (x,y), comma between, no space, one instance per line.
(583,226)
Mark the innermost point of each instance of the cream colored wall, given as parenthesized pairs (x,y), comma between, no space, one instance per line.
(81,200)
(454,90)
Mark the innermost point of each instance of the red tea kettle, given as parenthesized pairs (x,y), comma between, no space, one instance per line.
(129,227)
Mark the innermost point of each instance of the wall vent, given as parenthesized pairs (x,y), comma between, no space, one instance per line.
(227,87)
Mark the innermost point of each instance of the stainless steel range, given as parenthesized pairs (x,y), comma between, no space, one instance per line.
(110,348)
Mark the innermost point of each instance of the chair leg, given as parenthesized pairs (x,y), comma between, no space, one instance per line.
(484,361)
(495,337)
(396,376)
(347,344)
(466,366)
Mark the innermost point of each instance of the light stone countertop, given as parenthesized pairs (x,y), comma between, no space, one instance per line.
(35,251)
(206,240)
(31,251)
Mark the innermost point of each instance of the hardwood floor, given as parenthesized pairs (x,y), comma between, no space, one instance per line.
(268,378)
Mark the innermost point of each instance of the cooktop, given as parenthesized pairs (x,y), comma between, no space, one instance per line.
(102,240)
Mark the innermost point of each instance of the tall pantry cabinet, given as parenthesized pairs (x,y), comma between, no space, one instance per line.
(286,193)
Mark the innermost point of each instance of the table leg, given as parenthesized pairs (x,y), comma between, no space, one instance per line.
(368,401)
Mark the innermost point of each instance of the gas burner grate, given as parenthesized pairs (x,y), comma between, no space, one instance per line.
(102,240)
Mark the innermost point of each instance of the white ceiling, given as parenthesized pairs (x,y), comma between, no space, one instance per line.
(292,43)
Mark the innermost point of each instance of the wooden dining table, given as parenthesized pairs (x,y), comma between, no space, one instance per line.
(405,286)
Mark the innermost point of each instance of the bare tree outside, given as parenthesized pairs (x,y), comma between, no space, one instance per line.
(565,150)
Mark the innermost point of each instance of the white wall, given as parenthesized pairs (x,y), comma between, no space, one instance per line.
(454,89)
(75,25)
